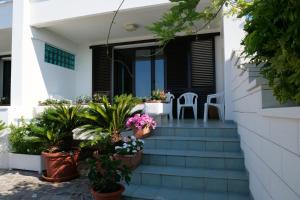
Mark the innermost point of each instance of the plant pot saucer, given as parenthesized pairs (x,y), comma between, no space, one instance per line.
(58,180)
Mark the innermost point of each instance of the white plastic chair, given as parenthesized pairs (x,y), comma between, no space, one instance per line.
(169,105)
(190,100)
(219,105)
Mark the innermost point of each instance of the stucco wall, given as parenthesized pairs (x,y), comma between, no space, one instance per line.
(84,71)
(219,49)
(1,78)
(270,138)
(53,79)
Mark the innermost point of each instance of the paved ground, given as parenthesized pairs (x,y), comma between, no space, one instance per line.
(21,185)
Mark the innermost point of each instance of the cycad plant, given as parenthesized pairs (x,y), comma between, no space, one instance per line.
(2,125)
(55,125)
(108,120)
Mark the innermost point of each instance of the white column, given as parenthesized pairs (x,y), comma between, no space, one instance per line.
(27,84)
(233,34)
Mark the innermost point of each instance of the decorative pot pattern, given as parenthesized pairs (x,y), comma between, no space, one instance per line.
(61,166)
(131,161)
(142,133)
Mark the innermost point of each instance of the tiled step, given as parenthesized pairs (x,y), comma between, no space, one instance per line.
(202,159)
(196,132)
(218,144)
(192,178)
(141,192)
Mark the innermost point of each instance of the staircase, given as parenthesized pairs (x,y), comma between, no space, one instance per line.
(191,162)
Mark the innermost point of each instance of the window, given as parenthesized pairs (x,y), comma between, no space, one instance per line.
(59,57)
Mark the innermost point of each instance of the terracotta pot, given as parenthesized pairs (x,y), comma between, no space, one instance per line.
(142,133)
(131,161)
(117,195)
(61,166)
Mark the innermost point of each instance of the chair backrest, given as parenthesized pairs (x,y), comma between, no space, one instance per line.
(189,97)
(169,97)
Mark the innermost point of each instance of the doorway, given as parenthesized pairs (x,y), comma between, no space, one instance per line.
(139,71)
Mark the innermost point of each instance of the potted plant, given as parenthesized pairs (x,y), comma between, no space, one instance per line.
(130,152)
(108,119)
(83,100)
(25,149)
(47,103)
(158,96)
(141,124)
(54,127)
(105,176)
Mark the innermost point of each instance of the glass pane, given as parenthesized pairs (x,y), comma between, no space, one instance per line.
(143,73)
(159,74)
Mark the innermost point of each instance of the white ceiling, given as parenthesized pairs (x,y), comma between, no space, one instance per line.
(5,41)
(94,29)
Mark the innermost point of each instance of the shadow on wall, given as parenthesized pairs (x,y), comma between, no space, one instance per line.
(52,80)
(26,185)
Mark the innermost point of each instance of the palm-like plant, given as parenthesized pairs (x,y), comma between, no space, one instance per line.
(55,125)
(108,119)
(2,125)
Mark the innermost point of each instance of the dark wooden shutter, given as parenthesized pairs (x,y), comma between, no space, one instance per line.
(176,53)
(203,70)
(203,63)
(7,81)
(101,70)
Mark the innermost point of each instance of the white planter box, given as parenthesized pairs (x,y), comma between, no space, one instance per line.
(26,162)
(3,160)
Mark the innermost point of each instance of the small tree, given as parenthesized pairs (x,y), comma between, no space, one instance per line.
(272,36)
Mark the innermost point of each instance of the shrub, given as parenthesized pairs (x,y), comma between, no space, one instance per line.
(108,119)
(22,141)
(272,38)
(52,102)
(55,125)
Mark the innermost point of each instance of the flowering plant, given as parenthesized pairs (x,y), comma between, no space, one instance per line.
(139,122)
(159,95)
(130,146)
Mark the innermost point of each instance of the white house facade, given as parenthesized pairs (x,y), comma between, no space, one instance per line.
(59,48)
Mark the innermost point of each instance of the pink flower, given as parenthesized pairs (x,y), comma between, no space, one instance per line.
(141,121)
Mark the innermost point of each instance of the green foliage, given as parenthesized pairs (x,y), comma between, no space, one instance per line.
(23,141)
(106,174)
(55,125)
(182,17)
(52,102)
(2,125)
(273,38)
(108,119)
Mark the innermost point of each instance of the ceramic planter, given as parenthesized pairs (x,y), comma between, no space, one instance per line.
(26,162)
(142,133)
(131,161)
(61,166)
(117,195)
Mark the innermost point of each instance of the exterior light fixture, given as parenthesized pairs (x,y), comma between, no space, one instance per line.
(130,27)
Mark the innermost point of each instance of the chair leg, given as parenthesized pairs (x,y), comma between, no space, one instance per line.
(178,111)
(205,113)
(195,112)
(222,112)
(171,115)
(182,113)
